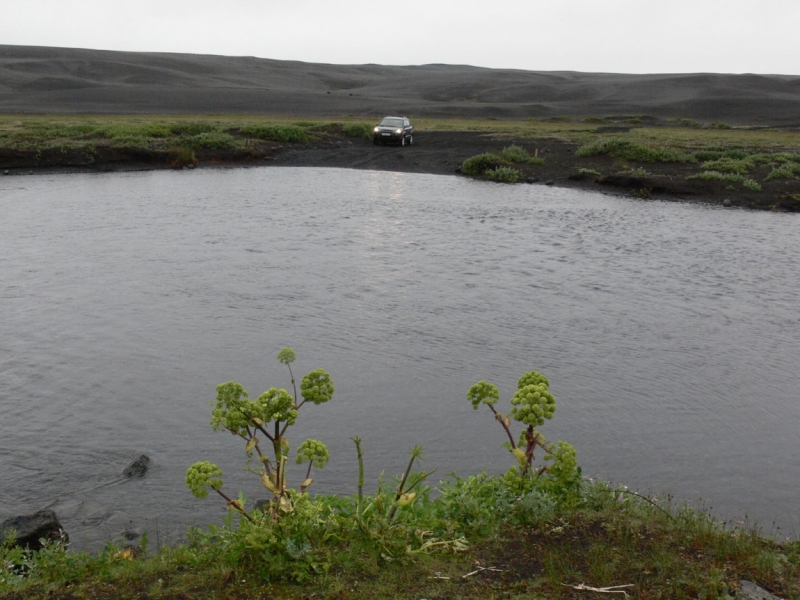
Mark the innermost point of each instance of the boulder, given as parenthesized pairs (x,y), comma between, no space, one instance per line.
(138,467)
(727,202)
(750,591)
(532,179)
(263,505)
(32,528)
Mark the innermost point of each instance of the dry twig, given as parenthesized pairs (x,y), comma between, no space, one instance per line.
(479,569)
(612,589)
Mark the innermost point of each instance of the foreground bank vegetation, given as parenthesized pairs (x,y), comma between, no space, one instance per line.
(539,530)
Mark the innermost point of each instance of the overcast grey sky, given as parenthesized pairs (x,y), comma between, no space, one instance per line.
(630,36)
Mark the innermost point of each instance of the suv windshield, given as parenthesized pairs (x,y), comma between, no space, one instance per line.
(392,122)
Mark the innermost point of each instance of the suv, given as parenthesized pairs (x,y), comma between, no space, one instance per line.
(394,129)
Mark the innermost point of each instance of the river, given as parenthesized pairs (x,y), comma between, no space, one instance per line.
(670,334)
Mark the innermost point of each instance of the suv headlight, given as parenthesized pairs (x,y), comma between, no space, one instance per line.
(398,131)
(377,130)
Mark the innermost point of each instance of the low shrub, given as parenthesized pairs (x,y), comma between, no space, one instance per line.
(717,176)
(588,172)
(785,171)
(358,130)
(211,140)
(276,133)
(503,175)
(518,154)
(480,163)
(730,165)
(720,125)
(134,130)
(617,148)
(717,153)
(752,185)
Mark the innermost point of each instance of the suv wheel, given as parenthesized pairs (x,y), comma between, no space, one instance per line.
(410,140)
(403,141)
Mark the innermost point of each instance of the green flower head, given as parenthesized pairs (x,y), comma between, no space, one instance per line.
(232,410)
(532,378)
(315,451)
(201,476)
(483,392)
(317,387)
(286,356)
(533,404)
(565,464)
(276,404)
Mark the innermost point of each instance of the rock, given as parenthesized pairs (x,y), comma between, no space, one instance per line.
(6,172)
(750,591)
(43,524)
(138,467)
(190,166)
(532,179)
(549,182)
(727,202)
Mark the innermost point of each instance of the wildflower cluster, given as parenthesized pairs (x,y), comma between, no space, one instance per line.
(314,451)
(201,476)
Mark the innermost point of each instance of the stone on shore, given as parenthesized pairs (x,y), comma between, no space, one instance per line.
(750,591)
(30,529)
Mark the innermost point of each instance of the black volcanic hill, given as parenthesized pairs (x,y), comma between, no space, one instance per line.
(61,80)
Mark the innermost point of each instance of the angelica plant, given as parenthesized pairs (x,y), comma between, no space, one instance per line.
(531,405)
(266,418)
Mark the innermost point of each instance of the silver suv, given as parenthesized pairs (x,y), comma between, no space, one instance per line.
(394,129)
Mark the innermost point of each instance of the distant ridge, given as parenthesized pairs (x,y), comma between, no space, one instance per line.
(66,80)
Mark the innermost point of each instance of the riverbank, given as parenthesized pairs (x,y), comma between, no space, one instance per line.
(608,539)
(754,168)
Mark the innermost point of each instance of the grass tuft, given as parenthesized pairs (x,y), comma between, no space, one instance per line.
(619,148)
(503,175)
(276,133)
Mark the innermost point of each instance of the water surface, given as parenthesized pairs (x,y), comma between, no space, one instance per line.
(669,333)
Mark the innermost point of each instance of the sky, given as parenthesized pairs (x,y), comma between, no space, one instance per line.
(621,36)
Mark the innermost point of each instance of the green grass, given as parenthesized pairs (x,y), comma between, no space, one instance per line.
(477,165)
(620,148)
(517,154)
(276,133)
(502,175)
(541,545)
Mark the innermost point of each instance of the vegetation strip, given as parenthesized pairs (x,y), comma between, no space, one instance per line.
(539,530)
(644,156)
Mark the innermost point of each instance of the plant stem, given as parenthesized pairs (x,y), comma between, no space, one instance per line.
(234,504)
(502,422)
(360,506)
(294,385)
(399,493)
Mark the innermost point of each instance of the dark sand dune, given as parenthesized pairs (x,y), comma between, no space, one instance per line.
(61,80)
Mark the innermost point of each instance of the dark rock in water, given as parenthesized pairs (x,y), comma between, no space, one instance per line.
(727,202)
(32,528)
(750,591)
(6,172)
(549,182)
(138,467)
(532,179)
